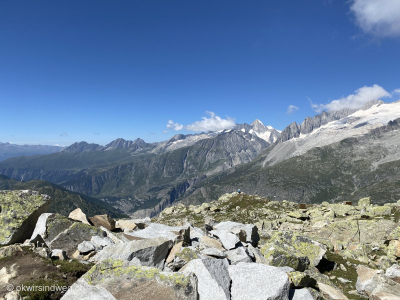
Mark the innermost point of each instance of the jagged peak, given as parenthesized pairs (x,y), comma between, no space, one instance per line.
(257,122)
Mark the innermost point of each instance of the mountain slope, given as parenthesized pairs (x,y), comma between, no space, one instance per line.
(8,150)
(355,167)
(133,178)
(63,201)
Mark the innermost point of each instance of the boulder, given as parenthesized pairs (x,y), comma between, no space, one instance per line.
(208,242)
(212,276)
(293,250)
(79,215)
(100,242)
(257,281)
(227,238)
(301,280)
(364,202)
(19,212)
(82,290)
(251,230)
(103,221)
(393,273)
(302,294)
(185,256)
(86,247)
(154,230)
(41,226)
(175,249)
(58,254)
(127,224)
(150,252)
(239,255)
(118,279)
(214,253)
(330,293)
(9,251)
(70,238)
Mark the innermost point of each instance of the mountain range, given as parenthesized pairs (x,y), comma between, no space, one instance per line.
(334,156)
(8,150)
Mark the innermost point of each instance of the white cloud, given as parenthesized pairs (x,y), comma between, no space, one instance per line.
(291,109)
(175,126)
(213,123)
(396,91)
(378,17)
(357,100)
(165,131)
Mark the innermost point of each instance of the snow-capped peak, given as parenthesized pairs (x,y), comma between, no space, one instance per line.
(257,122)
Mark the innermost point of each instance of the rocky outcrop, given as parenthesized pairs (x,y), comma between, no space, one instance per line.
(150,252)
(19,212)
(117,279)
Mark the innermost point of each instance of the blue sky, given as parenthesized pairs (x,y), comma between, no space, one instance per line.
(100,70)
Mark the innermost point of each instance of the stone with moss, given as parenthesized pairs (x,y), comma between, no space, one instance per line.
(301,280)
(118,279)
(294,245)
(364,202)
(19,211)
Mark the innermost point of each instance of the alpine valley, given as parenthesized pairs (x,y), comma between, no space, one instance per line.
(334,156)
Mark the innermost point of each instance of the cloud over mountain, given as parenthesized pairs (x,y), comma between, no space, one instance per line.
(357,100)
(211,123)
(378,17)
(291,109)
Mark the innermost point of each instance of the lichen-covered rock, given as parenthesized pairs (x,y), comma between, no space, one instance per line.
(117,279)
(150,252)
(9,251)
(19,212)
(301,280)
(293,247)
(364,202)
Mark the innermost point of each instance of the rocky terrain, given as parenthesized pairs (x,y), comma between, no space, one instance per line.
(237,247)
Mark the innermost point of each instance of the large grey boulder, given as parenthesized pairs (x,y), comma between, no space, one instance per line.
(154,230)
(70,238)
(301,294)
(150,252)
(251,231)
(227,238)
(117,279)
(19,212)
(41,226)
(238,255)
(212,276)
(84,291)
(258,282)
